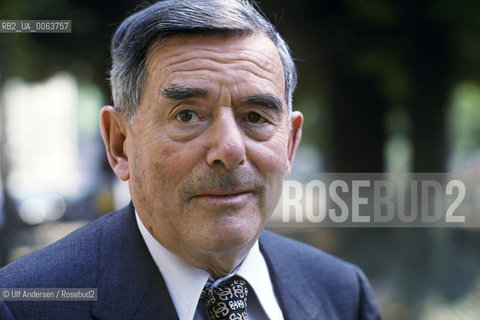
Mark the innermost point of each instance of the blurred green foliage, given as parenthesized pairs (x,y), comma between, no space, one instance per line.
(465,119)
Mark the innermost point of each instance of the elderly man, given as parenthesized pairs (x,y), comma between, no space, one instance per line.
(203,130)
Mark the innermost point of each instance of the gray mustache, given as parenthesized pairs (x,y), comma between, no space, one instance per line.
(225,181)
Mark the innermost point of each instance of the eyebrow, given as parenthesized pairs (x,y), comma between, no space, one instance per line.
(267,100)
(179,92)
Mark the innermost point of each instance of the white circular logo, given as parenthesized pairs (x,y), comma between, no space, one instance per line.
(5,294)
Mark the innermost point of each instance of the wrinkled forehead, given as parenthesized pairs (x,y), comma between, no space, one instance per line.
(244,56)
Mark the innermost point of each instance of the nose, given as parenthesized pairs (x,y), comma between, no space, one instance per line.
(226,144)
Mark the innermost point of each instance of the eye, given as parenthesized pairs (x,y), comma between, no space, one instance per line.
(254,117)
(186,116)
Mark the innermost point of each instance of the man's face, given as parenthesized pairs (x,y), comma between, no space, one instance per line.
(211,143)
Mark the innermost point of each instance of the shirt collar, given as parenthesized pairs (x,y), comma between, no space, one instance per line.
(255,271)
(184,281)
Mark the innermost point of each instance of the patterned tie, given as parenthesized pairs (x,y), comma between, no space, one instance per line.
(227,301)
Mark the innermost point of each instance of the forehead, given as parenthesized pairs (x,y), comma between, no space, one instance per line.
(238,61)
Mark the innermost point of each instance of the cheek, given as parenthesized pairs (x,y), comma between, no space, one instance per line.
(167,166)
(269,157)
(156,151)
(150,157)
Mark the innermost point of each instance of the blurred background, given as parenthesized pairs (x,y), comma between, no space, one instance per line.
(385,86)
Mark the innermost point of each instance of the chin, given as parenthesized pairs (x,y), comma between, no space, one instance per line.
(233,237)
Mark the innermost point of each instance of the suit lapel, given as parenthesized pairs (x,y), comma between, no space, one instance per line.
(156,303)
(292,289)
(129,285)
(128,282)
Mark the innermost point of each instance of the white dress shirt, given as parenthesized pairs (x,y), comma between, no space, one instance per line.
(185,282)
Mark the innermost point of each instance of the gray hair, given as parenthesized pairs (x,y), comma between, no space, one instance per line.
(137,35)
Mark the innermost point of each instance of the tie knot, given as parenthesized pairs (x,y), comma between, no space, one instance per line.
(228,300)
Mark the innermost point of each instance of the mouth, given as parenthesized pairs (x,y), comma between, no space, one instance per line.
(223,197)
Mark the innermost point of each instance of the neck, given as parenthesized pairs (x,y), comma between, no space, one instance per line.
(219,263)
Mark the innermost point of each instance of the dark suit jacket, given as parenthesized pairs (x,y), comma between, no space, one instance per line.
(109,254)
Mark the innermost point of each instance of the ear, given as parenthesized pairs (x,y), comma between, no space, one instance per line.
(296,122)
(114,133)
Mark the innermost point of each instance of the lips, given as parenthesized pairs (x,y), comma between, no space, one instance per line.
(221,193)
(223,197)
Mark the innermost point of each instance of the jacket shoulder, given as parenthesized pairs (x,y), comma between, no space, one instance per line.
(301,255)
(69,262)
(339,286)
